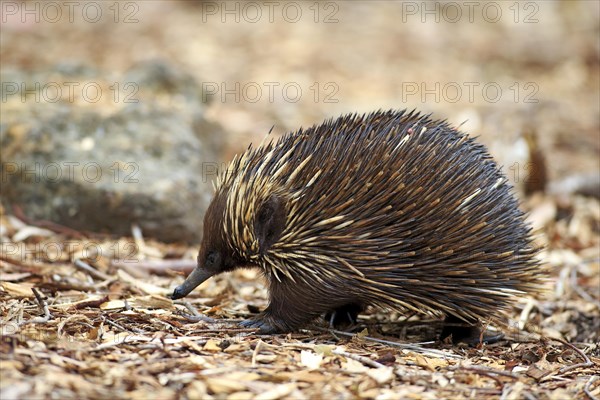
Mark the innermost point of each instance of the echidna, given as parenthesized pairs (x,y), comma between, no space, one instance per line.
(391,209)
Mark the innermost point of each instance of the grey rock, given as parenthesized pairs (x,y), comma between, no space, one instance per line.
(104,167)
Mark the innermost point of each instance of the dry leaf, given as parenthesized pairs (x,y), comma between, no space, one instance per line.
(363,333)
(536,373)
(200,361)
(15,276)
(310,360)
(381,375)
(153,301)
(351,365)
(18,289)
(117,338)
(277,392)
(234,348)
(324,349)
(143,286)
(266,358)
(430,363)
(224,385)
(212,345)
(241,396)
(304,376)
(30,231)
(113,305)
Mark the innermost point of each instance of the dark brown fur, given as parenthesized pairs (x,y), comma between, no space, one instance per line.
(389,209)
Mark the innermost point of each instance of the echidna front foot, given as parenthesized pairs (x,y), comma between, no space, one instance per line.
(260,322)
(266,324)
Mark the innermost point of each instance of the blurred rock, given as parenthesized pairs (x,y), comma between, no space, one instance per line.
(159,78)
(103,166)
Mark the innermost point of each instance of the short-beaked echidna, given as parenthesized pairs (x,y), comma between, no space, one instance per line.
(391,209)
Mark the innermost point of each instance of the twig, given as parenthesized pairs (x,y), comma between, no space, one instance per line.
(587,388)
(362,359)
(255,352)
(140,243)
(337,338)
(93,272)
(136,330)
(196,316)
(561,281)
(5,258)
(93,302)
(159,267)
(529,396)
(524,317)
(580,290)
(53,226)
(505,392)
(583,183)
(476,390)
(43,305)
(587,362)
(68,283)
(189,307)
(407,346)
(231,320)
(226,330)
(485,371)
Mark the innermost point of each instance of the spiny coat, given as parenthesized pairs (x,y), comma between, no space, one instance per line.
(391,209)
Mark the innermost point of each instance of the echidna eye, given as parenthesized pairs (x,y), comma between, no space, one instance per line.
(211,259)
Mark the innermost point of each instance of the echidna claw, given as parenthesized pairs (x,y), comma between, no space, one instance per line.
(259,322)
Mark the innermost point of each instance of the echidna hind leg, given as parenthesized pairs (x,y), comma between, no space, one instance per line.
(461,331)
(344,316)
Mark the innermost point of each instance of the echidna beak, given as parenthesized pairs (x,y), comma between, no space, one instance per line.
(194,279)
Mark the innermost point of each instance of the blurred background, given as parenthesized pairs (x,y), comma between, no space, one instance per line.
(116,113)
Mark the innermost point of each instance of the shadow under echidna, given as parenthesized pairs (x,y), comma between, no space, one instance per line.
(390,209)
